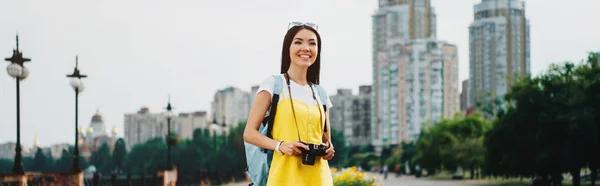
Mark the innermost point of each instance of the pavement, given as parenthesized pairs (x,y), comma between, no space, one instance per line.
(392,180)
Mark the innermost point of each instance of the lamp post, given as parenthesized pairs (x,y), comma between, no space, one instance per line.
(19,72)
(169,140)
(77,85)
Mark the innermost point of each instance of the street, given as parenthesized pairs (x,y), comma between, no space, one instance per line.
(411,181)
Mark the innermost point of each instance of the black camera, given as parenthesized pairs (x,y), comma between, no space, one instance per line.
(309,156)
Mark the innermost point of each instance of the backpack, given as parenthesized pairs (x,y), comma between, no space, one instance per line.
(258,160)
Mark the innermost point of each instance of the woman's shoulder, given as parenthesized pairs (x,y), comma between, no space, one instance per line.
(272,77)
(268,82)
(323,94)
(321,88)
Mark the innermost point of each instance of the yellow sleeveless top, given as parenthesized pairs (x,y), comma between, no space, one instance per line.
(288,170)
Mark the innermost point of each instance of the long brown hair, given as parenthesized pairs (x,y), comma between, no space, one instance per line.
(314,70)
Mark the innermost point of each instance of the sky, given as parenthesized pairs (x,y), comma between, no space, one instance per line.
(138,52)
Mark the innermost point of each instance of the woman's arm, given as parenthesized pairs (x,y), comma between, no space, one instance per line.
(257,114)
(327,136)
(252,136)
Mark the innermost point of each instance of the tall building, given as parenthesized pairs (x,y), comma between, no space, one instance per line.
(230,106)
(424,85)
(498,49)
(415,77)
(464,96)
(352,115)
(403,19)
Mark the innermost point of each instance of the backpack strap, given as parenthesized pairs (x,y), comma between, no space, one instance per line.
(269,120)
(323,96)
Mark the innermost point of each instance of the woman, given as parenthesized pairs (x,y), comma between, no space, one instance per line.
(300,118)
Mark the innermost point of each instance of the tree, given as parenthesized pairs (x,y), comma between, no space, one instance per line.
(148,157)
(6,165)
(65,162)
(119,154)
(408,152)
(551,125)
(450,144)
(41,162)
(102,159)
(341,150)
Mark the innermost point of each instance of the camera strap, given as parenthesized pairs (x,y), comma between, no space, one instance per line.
(287,80)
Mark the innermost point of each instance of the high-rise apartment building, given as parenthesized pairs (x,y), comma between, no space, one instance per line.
(498,49)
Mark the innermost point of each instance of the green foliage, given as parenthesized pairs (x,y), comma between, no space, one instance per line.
(119,154)
(365,160)
(6,165)
(102,159)
(65,162)
(551,125)
(341,150)
(41,162)
(449,144)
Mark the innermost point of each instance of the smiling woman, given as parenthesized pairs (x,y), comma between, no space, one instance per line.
(298,141)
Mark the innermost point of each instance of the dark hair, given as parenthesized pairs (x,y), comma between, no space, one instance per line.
(312,75)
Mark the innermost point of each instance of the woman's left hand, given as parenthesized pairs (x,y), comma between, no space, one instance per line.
(329,152)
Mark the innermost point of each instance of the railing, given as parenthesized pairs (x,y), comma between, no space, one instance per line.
(160,178)
(37,178)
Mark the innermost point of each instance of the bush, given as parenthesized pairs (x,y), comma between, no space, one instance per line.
(351,177)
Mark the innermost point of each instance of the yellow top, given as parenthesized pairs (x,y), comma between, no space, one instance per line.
(289,170)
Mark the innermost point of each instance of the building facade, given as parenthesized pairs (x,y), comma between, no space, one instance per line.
(498,49)
(423,87)
(352,115)
(464,96)
(415,77)
(231,106)
(190,122)
(96,135)
(143,125)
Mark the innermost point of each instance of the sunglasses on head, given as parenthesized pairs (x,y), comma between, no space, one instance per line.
(295,23)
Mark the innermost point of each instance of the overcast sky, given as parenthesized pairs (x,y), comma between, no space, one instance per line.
(137,52)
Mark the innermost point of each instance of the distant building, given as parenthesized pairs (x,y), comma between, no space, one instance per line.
(499,49)
(143,126)
(352,115)
(190,122)
(231,106)
(96,135)
(7,150)
(464,96)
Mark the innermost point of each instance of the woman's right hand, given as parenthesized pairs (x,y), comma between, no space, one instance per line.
(292,148)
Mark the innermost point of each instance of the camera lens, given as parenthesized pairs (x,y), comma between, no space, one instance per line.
(321,150)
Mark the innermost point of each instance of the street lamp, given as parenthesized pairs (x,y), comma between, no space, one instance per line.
(170,141)
(77,85)
(19,72)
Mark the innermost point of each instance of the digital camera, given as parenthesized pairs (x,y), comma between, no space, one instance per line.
(309,156)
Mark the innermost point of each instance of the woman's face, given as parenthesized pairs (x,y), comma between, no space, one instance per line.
(304,48)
